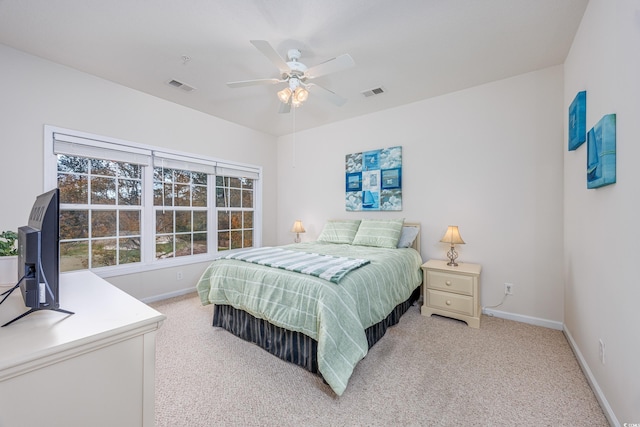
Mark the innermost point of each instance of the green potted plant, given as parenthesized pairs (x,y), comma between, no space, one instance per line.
(8,258)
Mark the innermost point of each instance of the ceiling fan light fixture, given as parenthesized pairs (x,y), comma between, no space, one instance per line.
(300,95)
(284,95)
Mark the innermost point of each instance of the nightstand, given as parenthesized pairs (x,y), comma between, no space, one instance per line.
(452,291)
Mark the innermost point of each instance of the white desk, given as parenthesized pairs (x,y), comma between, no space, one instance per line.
(93,368)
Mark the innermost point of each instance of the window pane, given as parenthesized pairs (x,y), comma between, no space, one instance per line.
(164,222)
(72,164)
(130,192)
(236,239)
(224,220)
(74,224)
(247,184)
(103,252)
(248,219)
(247,198)
(235,182)
(103,191)
(199,243)
(223,240)
(128,170)
(183,221)
(103,223)
(104,167)
(234,198)
(73,188)
(183,195)
(236,220)
(164,247)
(199,195)
(248,238)
(129,223)
(199,178)
(183,244)
(182,176)
(129,251)
(222,198)
(74,255)
(199,221)
(168,195)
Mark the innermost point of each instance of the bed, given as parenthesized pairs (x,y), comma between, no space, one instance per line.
(324,320)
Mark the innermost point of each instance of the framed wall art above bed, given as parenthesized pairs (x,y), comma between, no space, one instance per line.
(374,180)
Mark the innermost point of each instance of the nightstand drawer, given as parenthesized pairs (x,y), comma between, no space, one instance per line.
(450,282)
(450,302)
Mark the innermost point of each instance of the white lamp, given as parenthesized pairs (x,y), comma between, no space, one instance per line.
(297,228)
(452,236)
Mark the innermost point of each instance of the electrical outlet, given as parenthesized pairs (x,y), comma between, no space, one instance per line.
(179,275)
(508,288)
(601,346)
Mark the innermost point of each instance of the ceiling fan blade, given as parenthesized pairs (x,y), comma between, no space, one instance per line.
(326,93)
(284,108)
(244,83)
(268,51)
(338,63)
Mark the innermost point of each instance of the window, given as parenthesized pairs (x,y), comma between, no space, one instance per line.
(101,205)
(125,205)
(234,203)
(180,201)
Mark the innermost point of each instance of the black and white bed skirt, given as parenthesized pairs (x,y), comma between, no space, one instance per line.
(294,347)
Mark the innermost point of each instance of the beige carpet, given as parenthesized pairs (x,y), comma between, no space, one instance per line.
(426,371)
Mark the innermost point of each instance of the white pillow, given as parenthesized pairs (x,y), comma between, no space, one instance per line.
(407,236)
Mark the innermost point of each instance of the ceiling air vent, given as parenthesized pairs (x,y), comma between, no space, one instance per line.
(375,91)
(185,87)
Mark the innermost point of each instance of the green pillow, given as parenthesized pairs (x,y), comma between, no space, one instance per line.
(381,233)
(339,231)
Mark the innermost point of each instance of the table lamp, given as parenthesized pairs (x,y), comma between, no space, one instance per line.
(297,228)
(452,236)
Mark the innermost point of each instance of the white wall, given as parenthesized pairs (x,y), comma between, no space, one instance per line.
(35,92)
(602,231)
(488,159)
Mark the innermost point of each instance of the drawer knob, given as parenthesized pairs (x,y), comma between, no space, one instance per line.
(448,282)
(448,302)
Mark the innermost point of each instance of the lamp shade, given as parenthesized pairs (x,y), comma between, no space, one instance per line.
(284,95)
(452,236)
(297,227)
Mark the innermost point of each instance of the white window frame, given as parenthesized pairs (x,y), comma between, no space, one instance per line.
(89,144)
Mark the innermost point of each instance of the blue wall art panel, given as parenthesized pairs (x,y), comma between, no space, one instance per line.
(601,153)
(578,120)
(373,180)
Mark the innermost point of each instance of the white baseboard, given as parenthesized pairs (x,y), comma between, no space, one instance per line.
(172,294)
(604,404)
(524,319)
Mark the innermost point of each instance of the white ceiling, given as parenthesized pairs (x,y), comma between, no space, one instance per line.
(414,49)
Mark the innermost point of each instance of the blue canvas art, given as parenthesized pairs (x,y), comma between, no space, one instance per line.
(578,120)
(373,180)
(601,153)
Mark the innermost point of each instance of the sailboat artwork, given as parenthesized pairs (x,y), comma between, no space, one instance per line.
(373,180)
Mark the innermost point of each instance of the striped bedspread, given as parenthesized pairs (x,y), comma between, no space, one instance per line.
(327,267)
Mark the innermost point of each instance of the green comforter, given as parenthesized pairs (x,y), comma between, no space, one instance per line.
(335,315)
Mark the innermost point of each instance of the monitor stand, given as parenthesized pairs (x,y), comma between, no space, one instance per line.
(6,295)
(33,310)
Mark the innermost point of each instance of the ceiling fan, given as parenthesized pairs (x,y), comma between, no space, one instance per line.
(298,76)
